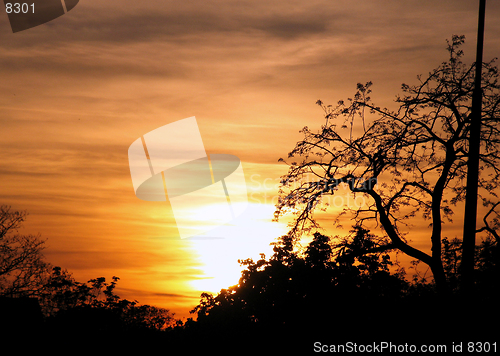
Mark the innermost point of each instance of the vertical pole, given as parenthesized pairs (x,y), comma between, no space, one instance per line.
(469,237)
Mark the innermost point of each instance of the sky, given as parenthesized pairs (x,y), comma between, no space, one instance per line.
(77,91)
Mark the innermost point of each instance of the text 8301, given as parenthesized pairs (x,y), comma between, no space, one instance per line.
(481,347)
(18,8)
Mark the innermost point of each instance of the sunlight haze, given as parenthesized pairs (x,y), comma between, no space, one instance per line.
(76,92)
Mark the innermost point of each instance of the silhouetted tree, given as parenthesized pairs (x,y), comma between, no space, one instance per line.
(45,305)
(94,305)
(487,267)
(408,163)
(338,289)
(22,266)
(297,290)
(62,292)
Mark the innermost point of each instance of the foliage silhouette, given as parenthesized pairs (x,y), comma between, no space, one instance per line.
(22,266)
(332,288)
(407,164)
(292,289)
(94,307)
(38,300)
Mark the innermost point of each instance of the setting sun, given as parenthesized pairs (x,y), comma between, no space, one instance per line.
(245,237)
(146,148)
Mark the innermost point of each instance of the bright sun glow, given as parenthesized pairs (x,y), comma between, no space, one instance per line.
(245,237)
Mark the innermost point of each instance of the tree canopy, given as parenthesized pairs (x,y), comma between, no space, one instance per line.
(22,266)
(408,163)
(333,287)
(73,310)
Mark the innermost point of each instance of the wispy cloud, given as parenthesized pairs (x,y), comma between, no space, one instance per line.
(77,91)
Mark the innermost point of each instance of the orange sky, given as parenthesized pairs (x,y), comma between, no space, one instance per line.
(76,92)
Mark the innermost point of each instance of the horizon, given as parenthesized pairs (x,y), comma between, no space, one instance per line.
(77,91)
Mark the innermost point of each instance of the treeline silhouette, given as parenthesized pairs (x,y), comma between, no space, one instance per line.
(41,302)
(331,290)
(341,293)
(69,312)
